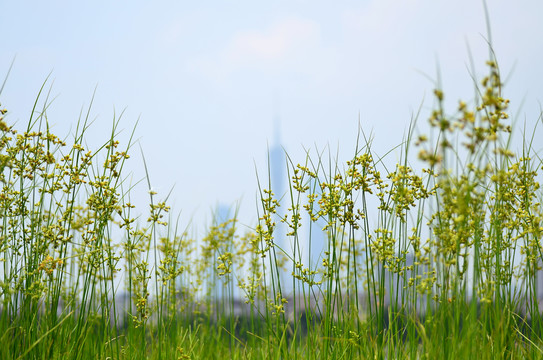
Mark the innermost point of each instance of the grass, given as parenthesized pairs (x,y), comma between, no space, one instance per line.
(435,257)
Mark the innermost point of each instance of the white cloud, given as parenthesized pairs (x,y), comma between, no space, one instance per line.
(286,45)
(277,43)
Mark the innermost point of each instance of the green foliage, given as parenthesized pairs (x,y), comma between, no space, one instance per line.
(437,260)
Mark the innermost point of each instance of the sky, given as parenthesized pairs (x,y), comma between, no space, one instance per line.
(206,80)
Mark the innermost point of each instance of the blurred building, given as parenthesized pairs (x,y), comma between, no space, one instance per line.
(277,177)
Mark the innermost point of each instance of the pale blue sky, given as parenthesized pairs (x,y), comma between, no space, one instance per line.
(206,78)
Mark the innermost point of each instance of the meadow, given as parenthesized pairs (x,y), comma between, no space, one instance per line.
(436,257)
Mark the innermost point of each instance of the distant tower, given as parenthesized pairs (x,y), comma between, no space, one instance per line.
(277,161)
(278,180)
(277,154)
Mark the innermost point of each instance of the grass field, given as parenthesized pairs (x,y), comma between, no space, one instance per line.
(436,257)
